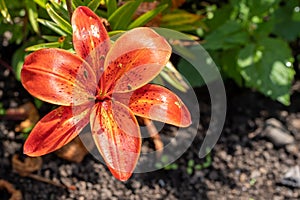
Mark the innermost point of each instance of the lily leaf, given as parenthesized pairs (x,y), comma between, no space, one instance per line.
(121,18)
(173,77)
(94,4)
(54,27)
(44,45)
(4,11)
(181,20)
(77,3)
(41,3)
(111,6)
(61,22)
(59,9)
(32,15)
(148,16)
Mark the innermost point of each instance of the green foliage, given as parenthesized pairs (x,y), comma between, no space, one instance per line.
(121,17)
(248,41)
(48,24)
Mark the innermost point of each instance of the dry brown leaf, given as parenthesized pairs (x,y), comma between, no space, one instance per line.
(15,194)
(177,3)
(26,112)
(26,167)
(73,151)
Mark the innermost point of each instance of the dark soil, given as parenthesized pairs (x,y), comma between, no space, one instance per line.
(246,164)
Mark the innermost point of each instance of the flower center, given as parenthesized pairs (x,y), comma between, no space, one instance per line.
(100,96)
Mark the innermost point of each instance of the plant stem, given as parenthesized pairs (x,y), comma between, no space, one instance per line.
(158,144)
(69,7)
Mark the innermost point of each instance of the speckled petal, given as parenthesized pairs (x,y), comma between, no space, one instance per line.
(56,129)
(135,59)
(117,136)
(90,38)
(59,77)
(157,103)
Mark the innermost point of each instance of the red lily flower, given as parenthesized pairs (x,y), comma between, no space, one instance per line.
(103,84)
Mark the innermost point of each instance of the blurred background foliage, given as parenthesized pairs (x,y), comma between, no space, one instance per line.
(250,40)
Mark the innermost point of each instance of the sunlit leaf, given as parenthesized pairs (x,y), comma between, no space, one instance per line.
(53,26)
(41,3)
(181,20)
(42,46)
(94,4)
(267,67)
(62,23)
(4,11)
(32,15)
(148,16)
(121,18)
(173,77)
(60,10)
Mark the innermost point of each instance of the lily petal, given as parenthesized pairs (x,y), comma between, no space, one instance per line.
(135,59)
(59,77)
(56,129)
(90,38)
(157,103)
(117,137)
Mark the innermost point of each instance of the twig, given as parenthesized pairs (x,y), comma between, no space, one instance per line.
(49,181)
(45,180)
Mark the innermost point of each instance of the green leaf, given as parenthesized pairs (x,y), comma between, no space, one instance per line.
(267,67)
(111,6)
(19,56)
(287,26)
(229,65)
(43,45)
(77,3)
(54,27)
(113,33)
(94,4)
(41,3)
(229,35)
(181,20)
(4,11)
(50,38)
(148,16)
(173,77)
(258,8)
(62,23)
(60,10)
(121,18)
(32,15)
